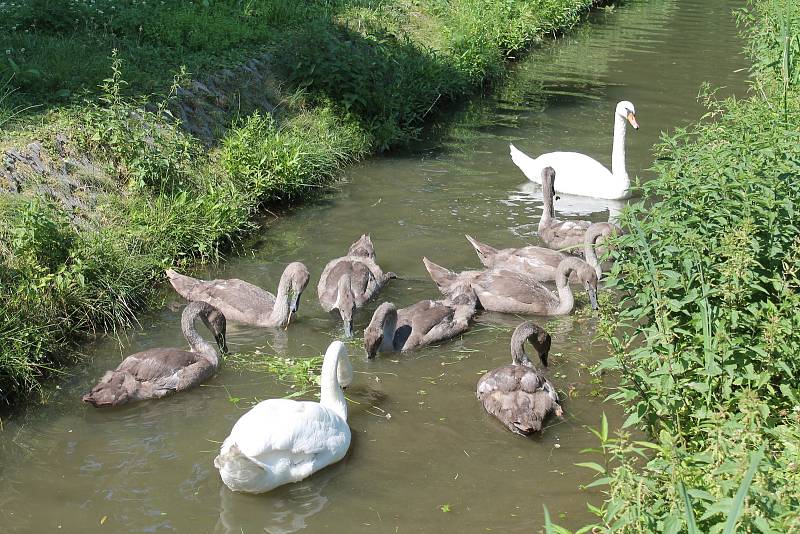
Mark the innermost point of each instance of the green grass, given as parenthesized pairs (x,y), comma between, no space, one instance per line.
(419,55)
(291,161)
(58,50)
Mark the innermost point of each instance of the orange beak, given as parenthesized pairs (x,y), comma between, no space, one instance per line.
(632,120)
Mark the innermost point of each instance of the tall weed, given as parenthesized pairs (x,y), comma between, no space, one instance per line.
(146,149)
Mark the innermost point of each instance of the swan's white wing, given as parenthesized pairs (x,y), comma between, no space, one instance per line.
(283,425)
(280,441)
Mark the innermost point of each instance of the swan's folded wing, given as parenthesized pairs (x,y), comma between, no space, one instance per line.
(535,383)
(327,285)
(570,229)
(365,279)
(454,323)
(232,293)
(361,282)
(506,283)
(154,364)
(504,379)
(538,255)
(276,428)
(541,267)
(376,277)
(532,381)
(428,316)
(522,412)
(445,330)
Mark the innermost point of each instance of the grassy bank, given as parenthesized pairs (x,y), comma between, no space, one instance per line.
(109,188)
(705,336)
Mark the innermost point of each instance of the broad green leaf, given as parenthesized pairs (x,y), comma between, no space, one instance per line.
(672,524)
(592,465)
(604,481)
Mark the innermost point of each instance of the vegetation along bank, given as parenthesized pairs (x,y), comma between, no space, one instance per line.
(139,135)
(706,335)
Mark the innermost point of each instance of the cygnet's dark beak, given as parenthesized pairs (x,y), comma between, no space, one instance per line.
(372,349)
(543,358)
(222,343)
(295,304)
(593,298)
(348,328)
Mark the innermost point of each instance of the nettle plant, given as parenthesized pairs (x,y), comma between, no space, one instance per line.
(145,144)
(706,333)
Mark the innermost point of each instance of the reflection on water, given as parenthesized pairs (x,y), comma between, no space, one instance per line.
(282,511)
(420,438)
(566,205)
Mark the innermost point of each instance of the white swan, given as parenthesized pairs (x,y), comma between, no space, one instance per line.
(578,174)
(281,440)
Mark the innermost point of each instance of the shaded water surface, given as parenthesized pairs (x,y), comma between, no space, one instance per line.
(420,439)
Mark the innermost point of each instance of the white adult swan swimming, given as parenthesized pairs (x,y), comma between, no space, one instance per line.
(281,440)
(578,174)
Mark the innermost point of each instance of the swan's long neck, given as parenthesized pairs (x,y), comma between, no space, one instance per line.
(195,340)
(389,329)
(566,300)
(280,311)
(593,234)
(518,356)
(618,150)
(590,251)
(548,212)
(332,395)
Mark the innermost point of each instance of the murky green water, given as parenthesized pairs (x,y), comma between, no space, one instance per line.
(148,467)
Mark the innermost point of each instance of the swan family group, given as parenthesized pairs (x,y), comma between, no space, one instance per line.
(281,440)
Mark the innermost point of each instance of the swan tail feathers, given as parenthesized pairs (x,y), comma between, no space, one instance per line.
(525,427)
(113,389)
(441,276)
(181,283)
(531,419)
(483,250)
(240,473)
